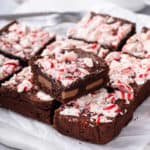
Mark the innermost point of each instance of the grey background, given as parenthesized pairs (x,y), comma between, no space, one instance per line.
(146,10)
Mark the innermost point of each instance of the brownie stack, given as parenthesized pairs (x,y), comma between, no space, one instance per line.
(88,85)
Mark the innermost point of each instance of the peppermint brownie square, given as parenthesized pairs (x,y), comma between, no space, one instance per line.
(110,32)
(8,67)
(139,44)
(95,48)
(127,73)
(68,74)
(21,95)
(18,40)
(100,116)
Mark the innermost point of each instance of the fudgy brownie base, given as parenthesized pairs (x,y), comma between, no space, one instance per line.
(96,78)
(24,60)
(82,128)
(39,111)
(107,46)
(21,95)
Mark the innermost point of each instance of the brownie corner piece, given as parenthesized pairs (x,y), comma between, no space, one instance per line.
(67,74)
(128,73)
(18,40)
(21,95)
(93,118)
(138,45)
(111,32)
(99,116)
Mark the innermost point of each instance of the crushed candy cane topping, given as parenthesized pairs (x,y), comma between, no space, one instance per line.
(23,82)
(105,30)
(126,70)
(22,41)
(100,106)
(138,45)
(66,66)
(43,96)
(70,44)
(8,66)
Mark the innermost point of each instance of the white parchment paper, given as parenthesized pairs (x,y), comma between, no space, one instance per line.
(27,134)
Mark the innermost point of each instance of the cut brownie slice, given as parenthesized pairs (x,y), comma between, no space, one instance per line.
(67,74)
(127,73)
(21,95)
(8,67)
(99,116)
(70,44)
(139,44)
(18,40)
(110,32)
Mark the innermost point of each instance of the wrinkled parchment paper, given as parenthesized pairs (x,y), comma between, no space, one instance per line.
(23,133)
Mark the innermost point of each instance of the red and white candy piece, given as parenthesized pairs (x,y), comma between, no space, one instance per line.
(25,86)
(10,67)
(122,86)
(124,96)
(113,56)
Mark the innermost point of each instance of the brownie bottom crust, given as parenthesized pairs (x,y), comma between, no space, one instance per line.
(82,128)
(29,110)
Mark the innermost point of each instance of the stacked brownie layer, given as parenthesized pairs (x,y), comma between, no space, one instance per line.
(69,73)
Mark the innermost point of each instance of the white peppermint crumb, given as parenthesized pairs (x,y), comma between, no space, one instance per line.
(43,96)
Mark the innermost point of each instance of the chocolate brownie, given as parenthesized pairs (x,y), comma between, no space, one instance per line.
(21,95)
(18,40)
(100,116)
(126,72)
(139,44)
(8,67)
(69,73)
(70,44)
(110,32)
